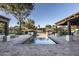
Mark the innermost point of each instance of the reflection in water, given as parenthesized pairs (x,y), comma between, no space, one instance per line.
(43,41)
(41,38)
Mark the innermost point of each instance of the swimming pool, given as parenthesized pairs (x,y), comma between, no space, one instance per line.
(42,40)
(39,40)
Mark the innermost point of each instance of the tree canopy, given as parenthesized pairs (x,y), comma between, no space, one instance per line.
(29,23)
(48,26)
(19,10)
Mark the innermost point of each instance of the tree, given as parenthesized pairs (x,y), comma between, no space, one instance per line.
(29,23)
(19,10)
(38,26)
(48,26)
(14,30)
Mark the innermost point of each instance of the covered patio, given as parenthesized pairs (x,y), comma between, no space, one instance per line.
(72,20)
(5,21)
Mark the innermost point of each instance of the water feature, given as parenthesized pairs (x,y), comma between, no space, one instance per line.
(41,38)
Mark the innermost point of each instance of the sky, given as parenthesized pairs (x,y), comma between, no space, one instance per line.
(45,14)
(48,13)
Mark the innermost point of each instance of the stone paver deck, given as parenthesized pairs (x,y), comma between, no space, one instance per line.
(70,49)
(20,39)
(62,39)
(10,49)
(59,40)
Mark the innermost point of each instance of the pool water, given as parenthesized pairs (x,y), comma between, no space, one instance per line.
(42,40)
(39,40)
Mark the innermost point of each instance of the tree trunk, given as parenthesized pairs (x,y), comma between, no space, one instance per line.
(20,32)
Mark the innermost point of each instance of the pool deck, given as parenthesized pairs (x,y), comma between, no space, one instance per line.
(62,39)
(59,39)
(69,49)
(20,39)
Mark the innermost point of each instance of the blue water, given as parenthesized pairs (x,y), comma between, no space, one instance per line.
(43,40)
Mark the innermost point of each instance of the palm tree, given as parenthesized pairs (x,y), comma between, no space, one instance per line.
(19,10)
(48,26)
(30,24)
(38,26)
(16,28)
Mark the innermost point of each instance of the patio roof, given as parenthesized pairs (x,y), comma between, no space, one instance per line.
(4,19)
(74,19)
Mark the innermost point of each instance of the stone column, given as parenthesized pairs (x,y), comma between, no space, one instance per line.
(69,27)
(6,32)
(56,32)
(69,37)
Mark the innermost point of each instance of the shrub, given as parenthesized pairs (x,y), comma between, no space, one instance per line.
(62,31)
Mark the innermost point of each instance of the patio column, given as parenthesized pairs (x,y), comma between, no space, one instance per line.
(6,32)
(6,29)
(69,37)
(56,33)
(69,27)
(56,28)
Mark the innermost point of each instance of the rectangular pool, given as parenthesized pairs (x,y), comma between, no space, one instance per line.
(42,40)
(39,40)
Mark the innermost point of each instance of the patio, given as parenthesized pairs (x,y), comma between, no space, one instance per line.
(69,21)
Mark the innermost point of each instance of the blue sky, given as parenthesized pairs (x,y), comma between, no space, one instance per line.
(49,13)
